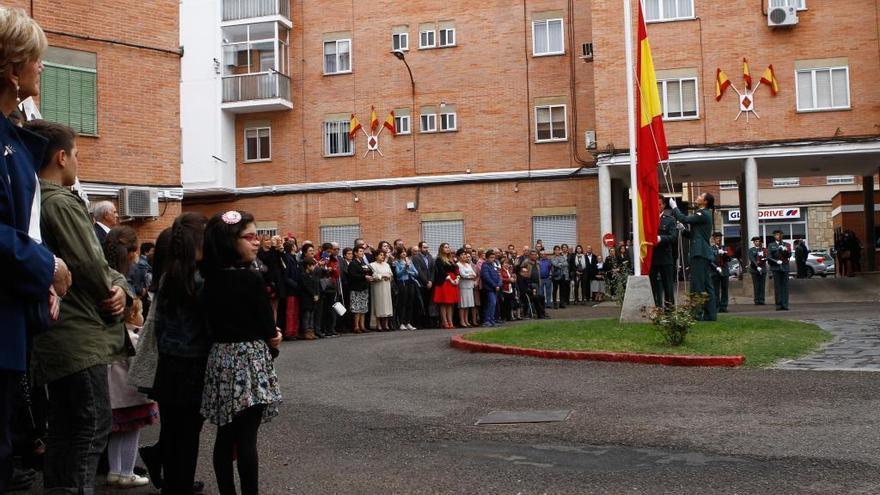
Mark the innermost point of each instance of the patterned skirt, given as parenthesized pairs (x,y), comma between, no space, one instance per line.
(239,375)
(360,301)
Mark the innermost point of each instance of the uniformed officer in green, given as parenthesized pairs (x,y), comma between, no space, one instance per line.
(663,259)
(758,269)
(701,253)
(780,253)
(721,273)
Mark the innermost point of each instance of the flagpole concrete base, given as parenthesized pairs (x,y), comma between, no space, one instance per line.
(638,297)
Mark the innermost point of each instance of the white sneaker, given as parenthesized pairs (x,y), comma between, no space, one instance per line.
(132,481)
(113,478)
(403,327)
(410,327)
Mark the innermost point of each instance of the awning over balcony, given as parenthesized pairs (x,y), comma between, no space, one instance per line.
(234,10)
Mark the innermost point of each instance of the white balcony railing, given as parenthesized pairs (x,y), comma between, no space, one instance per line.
(256,86)
(234,10)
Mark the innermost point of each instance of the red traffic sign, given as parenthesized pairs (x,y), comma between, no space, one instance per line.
(608,240)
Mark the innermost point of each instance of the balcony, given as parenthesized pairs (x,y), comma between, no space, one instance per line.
(259,92)
(236,10)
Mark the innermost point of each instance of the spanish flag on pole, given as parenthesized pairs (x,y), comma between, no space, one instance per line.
(353,126)
(769,78)
(650,148)
(747,75)
(374,120)
(389,124)
(722,82)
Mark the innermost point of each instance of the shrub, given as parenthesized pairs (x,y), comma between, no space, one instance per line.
(674,322)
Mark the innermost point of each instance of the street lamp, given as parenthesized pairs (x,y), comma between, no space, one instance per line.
(402,57)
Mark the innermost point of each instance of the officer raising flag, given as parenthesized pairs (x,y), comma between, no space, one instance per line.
(701,253)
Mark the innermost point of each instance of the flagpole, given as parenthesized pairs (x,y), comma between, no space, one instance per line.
(631,120)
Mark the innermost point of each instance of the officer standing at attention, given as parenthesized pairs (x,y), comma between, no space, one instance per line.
(721,275)
(780,253)
(701,252)
(663,259)
(758,269)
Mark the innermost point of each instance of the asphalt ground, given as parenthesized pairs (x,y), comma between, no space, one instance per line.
(395,413)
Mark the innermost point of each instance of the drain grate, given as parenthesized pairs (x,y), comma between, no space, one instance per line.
(515,417)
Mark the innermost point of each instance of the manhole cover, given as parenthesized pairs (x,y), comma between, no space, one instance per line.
(513,417)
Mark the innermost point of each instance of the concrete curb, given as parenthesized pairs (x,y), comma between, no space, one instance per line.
(459,342)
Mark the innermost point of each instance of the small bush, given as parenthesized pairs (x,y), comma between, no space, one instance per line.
(674,322)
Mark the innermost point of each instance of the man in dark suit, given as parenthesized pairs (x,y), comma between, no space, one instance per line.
(424,263)
(801,252)
(701,254)
(780,254)
(663,259)
(106,218)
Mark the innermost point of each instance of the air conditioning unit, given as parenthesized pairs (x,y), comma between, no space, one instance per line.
(138,202)
(587,51)
(590,140)
(782,16)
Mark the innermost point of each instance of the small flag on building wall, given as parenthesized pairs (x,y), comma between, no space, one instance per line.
(389,124)
(769,78)
(722,82)
(374,120)
(354,126)
(747,75)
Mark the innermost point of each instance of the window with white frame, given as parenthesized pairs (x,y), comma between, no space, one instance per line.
(427,38)
(447,36)
(725,185)
(337,56)
(257,144)
(402,124)
(428,122)
(823,89)
(555,230)
(69,89)
(344,235)
(336,140)
(400,42)
(551,123)
(668,10)
(679,98)
(548,37)
(786,181)
(840,179)
(448,121)
(798,4)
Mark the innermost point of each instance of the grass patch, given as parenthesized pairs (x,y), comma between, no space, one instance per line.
(761,341)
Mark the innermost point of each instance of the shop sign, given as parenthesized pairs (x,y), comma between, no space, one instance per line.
(768,214)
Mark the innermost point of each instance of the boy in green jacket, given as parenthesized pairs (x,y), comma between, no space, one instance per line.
(71,357)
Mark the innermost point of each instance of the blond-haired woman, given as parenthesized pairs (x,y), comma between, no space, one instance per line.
(446,279)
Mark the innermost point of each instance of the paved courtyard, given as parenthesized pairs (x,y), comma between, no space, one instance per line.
(395,414)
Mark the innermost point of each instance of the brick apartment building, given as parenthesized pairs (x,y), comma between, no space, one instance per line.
(112,73)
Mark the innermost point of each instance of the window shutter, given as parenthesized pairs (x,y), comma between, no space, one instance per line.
(437,232)
(89,103)
(49,93)
(555,230)
(344,235)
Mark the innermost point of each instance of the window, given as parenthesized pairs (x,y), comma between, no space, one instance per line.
(447,37)
(336,140)
(401,123)
(267,231)
(428,122)
(337,57)
(823,89)
(726,185)
(799,4)
(668,10)
(679,98)
(841,179)
(69,89)
(400,42)
(555,230)
(342,234)
(550,123)
(426,38)
(786,182)
(436,232)
(447,121)
(257,144)
(547,37)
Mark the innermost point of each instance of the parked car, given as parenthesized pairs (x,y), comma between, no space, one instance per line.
(816,264)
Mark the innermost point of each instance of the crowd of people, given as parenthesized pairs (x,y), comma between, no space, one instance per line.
(321,291)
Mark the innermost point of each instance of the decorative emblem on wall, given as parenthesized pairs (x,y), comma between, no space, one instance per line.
(372,136)
(747,96)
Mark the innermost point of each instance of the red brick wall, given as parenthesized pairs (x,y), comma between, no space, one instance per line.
(494,215)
